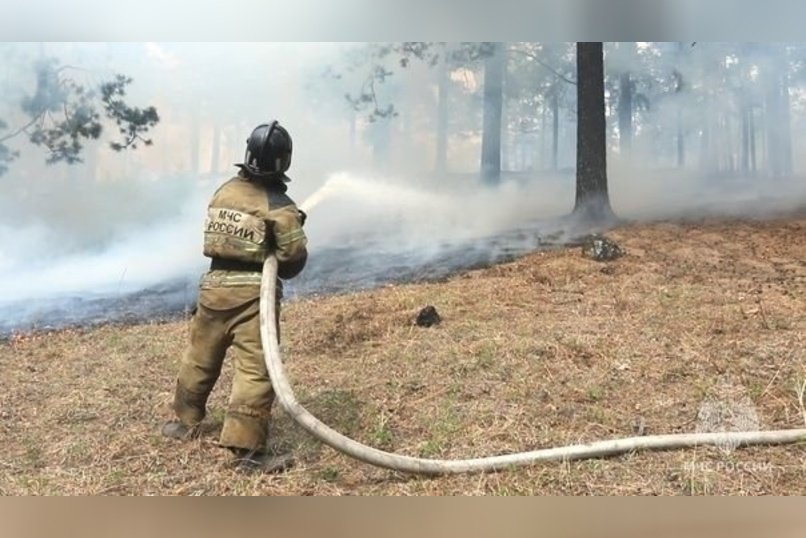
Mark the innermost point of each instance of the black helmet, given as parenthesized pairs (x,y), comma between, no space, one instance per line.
(268,150)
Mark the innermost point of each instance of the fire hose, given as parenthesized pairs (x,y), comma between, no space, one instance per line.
(408,464)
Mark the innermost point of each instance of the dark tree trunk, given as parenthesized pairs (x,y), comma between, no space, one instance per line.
(442,119)
(555,128)
(625,113)
(592,200)
(494,67)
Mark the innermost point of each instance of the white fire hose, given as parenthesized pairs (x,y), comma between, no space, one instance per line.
(409,464)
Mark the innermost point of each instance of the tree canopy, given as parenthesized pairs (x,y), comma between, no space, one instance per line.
(61,114)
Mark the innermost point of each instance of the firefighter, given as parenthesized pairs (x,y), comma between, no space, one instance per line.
(249,218)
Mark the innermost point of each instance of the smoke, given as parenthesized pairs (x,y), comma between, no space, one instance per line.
(45,287)
(348,206)
(120,235)
(136,260)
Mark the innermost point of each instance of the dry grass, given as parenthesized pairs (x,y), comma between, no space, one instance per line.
(548,350)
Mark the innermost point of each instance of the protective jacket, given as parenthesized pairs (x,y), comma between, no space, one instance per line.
(248,218)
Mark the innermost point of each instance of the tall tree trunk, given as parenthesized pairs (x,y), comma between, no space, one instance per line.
(777,114)
(494,66)
(442,118)
(195,140)
(745,149)
(214,160)
(730,142)
(773,124)
(506,140)
(752,131)
(704,142)
(786,124)
(543,129)
(555,128)
(592,200)
(761,140)
(625,113)
(681,149)
(708,148)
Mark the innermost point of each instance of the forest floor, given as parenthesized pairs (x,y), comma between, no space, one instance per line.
(548,350)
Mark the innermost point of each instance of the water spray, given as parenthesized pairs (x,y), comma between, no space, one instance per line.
(409,464)
(375,192)
(318,196)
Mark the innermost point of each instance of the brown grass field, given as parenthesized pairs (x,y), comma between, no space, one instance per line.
(551,349)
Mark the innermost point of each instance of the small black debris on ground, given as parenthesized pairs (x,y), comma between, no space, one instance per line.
(428,317)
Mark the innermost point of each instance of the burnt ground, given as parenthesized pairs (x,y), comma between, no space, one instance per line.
(549,349)
(363,263)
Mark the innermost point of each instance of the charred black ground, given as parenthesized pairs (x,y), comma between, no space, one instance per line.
(359,265)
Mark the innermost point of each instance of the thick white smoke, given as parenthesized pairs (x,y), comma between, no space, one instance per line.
(128,222)
(160,250)
(351,206)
